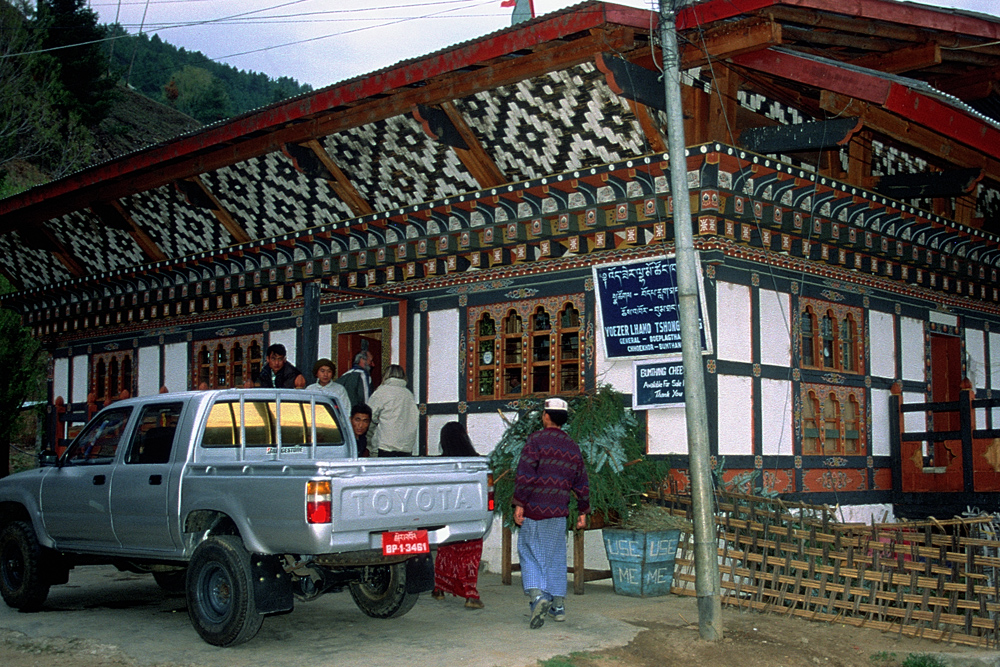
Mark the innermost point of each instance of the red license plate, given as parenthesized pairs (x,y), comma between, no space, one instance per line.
(405,543)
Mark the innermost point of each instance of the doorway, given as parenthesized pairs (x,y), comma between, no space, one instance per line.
(946,385)
(351,343)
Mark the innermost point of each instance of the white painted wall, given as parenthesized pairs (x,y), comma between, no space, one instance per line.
(394,340)
(914,421)
(666,431)
(975,360)
(81,378)
(995,356)
(735,415)
(148,369)
(776,412)
(415,369)
(486,429)
(882,345)
(443,366)
(434,424)
(775,320)
(911,333)
(732,317)
(879,445)
(358,314)
(175,366)
(287,338)
(324,347)
(616,372)
(60,379)
(943,318)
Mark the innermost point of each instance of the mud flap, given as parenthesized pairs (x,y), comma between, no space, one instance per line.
(272,586)
(420,574)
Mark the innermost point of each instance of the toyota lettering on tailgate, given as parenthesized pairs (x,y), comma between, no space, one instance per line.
(410,500)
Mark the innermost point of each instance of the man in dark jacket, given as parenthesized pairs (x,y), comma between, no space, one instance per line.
(279,374)
(549,472)
(357,381)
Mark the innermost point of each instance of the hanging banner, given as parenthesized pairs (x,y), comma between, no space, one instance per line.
(658,384)
(638,309)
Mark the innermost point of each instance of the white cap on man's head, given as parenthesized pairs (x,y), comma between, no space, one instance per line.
(556,404)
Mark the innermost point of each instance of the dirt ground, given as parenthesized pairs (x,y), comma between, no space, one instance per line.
(751,640)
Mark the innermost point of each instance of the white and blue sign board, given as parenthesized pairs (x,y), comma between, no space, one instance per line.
(638,308)
(659,383)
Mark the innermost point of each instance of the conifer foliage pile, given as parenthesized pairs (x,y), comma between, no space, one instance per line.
(613,445)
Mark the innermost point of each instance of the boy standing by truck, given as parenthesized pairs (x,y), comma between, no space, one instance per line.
(549,470)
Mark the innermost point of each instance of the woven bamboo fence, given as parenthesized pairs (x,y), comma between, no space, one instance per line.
(938,580)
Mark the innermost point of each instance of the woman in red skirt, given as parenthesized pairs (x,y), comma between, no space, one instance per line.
(456,568)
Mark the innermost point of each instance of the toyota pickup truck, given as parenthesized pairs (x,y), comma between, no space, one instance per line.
(244,500)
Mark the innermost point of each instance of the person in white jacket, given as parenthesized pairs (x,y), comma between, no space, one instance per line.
(395,419)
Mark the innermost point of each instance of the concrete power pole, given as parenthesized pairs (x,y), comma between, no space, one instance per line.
(703,499)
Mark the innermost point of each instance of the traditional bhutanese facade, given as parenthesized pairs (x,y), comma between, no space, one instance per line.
(450,211)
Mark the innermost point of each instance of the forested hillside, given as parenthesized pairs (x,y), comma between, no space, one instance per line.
(70,93)
(189,81)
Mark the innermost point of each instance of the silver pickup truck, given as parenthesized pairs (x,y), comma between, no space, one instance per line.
(242,499)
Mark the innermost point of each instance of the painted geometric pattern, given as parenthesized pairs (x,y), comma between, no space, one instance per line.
(35,268)
(177,227)
(269,197)
(393,163)
(95,245)
(558,122)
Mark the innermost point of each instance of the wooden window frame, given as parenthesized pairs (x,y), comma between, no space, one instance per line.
(208,370)
(540,374)
(813,335)
(836,434)
(124,376)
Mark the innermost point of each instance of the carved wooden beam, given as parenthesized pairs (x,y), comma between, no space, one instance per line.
(340,183)
(908,59)
(198,194)
(114,215)
(655,138)
(447,126)
(814,135)
(474,156)
(910,133)
(930,184)
(729,40)
(40,237)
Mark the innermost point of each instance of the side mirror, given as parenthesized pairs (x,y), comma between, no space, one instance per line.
(47,458)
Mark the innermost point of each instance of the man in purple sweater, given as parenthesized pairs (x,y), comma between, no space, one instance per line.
(549,471)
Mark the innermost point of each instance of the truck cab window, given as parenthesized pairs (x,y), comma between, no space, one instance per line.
(154,435)
(100,439)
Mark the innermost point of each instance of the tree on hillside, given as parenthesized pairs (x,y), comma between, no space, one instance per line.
(71,31)
(32,128)
(23,377)
(197,93)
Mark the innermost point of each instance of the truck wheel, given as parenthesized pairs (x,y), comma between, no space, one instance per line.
(381,593)
(22,581)
(171,581)
(220,595)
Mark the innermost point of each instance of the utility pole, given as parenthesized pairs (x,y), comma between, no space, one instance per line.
(702,497)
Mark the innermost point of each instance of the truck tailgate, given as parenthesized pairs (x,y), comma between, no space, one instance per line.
(448,497)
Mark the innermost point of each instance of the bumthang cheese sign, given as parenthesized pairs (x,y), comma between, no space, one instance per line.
(637,302)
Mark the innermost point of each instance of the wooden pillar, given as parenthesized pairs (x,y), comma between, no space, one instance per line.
(722,106)
(859,161)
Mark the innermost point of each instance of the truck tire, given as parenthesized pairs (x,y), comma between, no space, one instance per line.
(381,593)
(220,597)
(22,579)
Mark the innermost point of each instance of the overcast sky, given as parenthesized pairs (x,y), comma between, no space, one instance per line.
(325,41)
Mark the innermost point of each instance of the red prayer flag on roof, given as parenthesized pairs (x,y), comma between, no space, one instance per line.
(508,3)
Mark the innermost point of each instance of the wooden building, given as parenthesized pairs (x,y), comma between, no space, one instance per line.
(844,173)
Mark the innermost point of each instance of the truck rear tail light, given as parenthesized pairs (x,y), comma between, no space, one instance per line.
(489,491)
(319,502)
